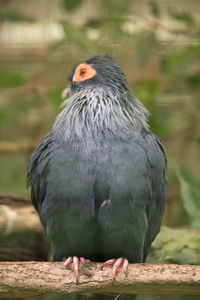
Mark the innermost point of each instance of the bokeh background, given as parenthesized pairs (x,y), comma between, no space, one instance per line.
(157,43)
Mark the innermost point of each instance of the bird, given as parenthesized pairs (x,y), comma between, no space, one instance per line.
(98,179)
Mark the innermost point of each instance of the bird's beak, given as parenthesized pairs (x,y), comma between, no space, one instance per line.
(65,93)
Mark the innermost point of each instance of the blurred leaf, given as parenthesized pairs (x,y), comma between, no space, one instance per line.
(178,62)
(179,121)
(182,17)
(164,297)
(144,46)
(198,141)
(190,198)
(71,5)
(14,16)
(79,39)
(188,297)
(10,79)
(187,174)
(150,297)
(179,66)
(194,81)
(13,179)
(54,95)
(176,245)
(155,11)
(63,297)
(116,7)
(94,23)
(146,91)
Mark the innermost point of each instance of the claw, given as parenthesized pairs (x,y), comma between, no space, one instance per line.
(75,261)
(116,265)
(83,261)
(125,266)
(108,263)
(68,261)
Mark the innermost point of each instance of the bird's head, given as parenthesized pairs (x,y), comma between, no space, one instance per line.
(97,71)
(99,101)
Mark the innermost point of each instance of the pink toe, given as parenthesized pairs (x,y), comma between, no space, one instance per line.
(68,261)
(109,262)
(75,265)
(125,265)
(116,267)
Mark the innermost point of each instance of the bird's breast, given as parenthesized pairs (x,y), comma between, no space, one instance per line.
(95,176)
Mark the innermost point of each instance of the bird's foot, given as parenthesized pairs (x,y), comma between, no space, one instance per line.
(117,263)
(76,262)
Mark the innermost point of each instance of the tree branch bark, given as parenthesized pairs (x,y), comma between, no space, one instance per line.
(20,230)
(28,279)
(17,146)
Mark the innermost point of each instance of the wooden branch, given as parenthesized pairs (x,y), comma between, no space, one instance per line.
(20,230)
(18,199)
(28,279)
(17,146)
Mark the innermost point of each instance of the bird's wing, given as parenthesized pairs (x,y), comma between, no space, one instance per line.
(157,166)
(38,170)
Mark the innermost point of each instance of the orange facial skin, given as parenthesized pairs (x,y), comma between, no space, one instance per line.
(83,72)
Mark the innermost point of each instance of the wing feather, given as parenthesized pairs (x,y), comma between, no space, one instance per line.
(157,164)
(38,171)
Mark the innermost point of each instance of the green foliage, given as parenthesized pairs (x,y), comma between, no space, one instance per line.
(179,64)
(9,114)
(71,5)
(11,79)
(144,44)
(154,9)
(146,91)
(61,297)
(193,81)
(181,16)
(14,16)
(13,175)
(78,39)
(114,14)
(115,9)
(23,117)
(54,95)
(190,199)
(165,297)
(181,246)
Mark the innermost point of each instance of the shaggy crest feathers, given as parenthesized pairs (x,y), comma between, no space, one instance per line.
(94,111)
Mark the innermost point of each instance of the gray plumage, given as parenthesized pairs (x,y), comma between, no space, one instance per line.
(98,179)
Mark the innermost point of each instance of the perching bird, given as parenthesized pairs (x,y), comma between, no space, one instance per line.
(98,179)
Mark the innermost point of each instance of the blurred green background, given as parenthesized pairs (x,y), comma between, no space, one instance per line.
(157,43)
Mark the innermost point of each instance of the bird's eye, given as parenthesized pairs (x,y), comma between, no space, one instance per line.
(82,72)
